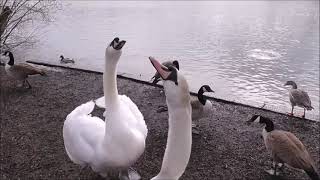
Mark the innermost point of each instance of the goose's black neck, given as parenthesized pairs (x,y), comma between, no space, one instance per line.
(294,85)
(269,124)
(11,61)
(201,98)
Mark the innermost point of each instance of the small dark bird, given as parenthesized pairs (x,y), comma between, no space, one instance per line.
(156,77)
(21,71)
(66,60)
(285,148)
(298,98)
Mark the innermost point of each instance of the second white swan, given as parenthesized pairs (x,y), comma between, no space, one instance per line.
(116,143)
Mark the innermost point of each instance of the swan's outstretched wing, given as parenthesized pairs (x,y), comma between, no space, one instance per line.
(81,132)
(82,110)
(132,106)
(141,125)
(100,102)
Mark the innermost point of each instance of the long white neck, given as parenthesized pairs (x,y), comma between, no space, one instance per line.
(179,142)
(110,85)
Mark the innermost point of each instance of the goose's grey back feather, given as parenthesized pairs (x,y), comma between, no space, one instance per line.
(300,98)
(67,60)
(197,108)
(22,71)
(285,147)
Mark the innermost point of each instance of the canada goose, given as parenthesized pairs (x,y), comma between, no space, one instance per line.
(66,60)
(156,77)
(178,148)
(201,106)
(285,147)
(298,98)
(20,72)
(117,144)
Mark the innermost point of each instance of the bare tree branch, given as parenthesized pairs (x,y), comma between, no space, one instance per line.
(23,14)
(17,23)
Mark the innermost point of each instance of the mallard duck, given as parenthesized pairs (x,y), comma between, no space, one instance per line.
(66,60)
(286,148)
(156,77)
(20,71)
(178,148)
(298,98)
(115,143)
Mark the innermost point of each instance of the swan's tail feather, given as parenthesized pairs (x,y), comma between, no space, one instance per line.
(83,109)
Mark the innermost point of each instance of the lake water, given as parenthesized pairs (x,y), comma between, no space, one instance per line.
(245,51)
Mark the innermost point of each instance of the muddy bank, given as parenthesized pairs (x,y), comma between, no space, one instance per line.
(32,120)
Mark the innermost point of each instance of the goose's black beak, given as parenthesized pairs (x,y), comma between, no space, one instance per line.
(210,90)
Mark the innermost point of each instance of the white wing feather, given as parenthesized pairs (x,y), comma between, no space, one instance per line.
(80,133)
(141,125)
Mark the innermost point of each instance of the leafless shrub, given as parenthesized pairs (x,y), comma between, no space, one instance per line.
(20,20)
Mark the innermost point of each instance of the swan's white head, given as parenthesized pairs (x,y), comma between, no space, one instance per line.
(179,140)
(175,85)
(114,49)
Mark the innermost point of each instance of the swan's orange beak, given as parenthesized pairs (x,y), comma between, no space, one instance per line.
(161,69)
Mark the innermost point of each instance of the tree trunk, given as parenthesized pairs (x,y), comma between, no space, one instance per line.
(4,19)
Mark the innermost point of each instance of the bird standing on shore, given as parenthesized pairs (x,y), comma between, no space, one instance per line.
(115,143)
(298,98)
(66,60)
(21,71)
(179,140)
(201,106)
(285,147)
(156,77)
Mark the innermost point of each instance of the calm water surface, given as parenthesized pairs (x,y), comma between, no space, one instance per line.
(245,51)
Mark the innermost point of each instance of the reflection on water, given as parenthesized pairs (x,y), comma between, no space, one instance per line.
(263,54)
(245,50)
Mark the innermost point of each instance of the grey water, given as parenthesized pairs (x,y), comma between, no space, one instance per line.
(245,50)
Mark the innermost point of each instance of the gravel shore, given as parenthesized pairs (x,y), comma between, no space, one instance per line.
(226,148)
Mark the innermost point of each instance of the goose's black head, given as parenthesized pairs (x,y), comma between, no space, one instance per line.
(291,83)
(203,89)
(10,55)
(61,56)
(206,88)
(262,120)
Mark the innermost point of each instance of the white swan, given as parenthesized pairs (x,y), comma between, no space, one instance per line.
(178,149)
(116,143)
